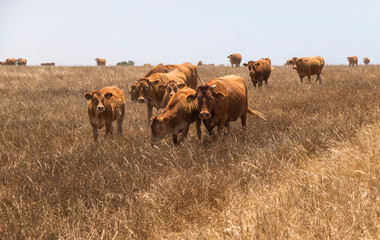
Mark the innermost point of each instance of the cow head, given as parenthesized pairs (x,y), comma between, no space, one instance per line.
(205,97)
(252,66)
(147,89)
(97,99)
(159,126)
(134,91)
(294,62)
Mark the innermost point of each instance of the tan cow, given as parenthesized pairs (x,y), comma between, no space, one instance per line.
(235,59)
(221,101)
(352,61)
(9,62)
(176,117)
(104,107)
(100,61)
(48,64)
(259,71)
(308,66)
(21,62)
(366,61)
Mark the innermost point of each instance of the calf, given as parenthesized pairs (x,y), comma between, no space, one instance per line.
(104,107)
(259,71)
(176,117)
(308,66)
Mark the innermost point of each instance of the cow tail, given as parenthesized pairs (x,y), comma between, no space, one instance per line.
(256,113)
(200,79)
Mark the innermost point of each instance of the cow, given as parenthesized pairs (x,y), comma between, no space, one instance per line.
(134,91)
(366,60)
(268,60)
(175,80)
(21,62)
(176,117)
(289,62)
(9,62)
(307,66)
(48,64)
(352,61)
(200,63)
(100,61)
(235,59)
(104,107)
(259,71)
(147,65)
(222,100)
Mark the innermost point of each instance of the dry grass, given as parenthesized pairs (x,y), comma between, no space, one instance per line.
(311,172)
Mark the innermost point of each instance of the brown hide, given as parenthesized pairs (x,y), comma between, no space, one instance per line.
(100,61)
(308,66)
(352,61)
(268,60)
(175,80)
(104,107)
(134,92)
(9,62)
(48,64)
(259,71)
(235,59)
(21,62)
(176,117)
(366,60)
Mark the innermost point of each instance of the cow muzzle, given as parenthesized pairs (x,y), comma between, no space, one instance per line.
(141,100)
(100,108)
(294,67)
(204,115)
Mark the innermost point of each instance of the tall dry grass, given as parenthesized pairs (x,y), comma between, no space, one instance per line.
(310,172)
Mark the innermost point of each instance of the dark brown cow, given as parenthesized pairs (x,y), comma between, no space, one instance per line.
(104,107)
(21,62)
(176,117)
(235,59)
(308,66)
(259,71)
(221,101)
(48,64)
(9,62)
(352,61)
(100,61)
(200,63)
(366,61)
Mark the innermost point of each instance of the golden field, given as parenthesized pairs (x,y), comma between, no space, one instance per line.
(312,171)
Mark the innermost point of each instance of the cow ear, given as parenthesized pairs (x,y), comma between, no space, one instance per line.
(88,95)
(219,96)
(108,95)
(166,120)
(245,64)
(181,85)
(162,86)
(190,98)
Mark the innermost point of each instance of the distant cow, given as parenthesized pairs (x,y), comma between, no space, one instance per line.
(235,59)
(100,61)
(352,61)
(134,91)
(48,64)
(307,66)
(221,101)
(147,65)
(176,117)
(259,71)
(366,60)
(21,62)
(289,62)
(104,107)
(9,62)
(200,63)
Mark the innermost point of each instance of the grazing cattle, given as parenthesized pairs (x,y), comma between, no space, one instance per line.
(176,117)
(259,71)
(235,59)
(221,101)
(9,62)
(104,107)
(352,61)
(308,66)
(200,63)
(48,64)
(21,62)
(366,60)
(100,61)
(147,65)
(288,63)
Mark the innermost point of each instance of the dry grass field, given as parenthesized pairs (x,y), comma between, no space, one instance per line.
(312,171)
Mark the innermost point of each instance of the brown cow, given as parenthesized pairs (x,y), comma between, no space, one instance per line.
(289,62)
(21,62)
(259,71)
(104,107)
(175,80)
(147,65)
(134,91)
(308,66)
(366,60)
(221,101)
(235,59)
(176,117)
(268,60)
(9,62)
(48,64)
(200,63)
(100,61)
(352,61)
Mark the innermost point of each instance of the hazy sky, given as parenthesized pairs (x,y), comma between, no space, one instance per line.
(74,32)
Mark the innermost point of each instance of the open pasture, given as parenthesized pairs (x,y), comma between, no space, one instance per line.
(312,171)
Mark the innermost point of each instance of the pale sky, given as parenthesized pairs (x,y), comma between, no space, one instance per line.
(75,32)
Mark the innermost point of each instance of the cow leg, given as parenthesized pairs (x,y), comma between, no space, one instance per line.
(243,119)
(149,108)
(185,132)
(109,128)
(95,132)
(120,123)
(309,78)
(198,127)
(254,83)
(208,127)
(319,78)
(301,79)
(175,139)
